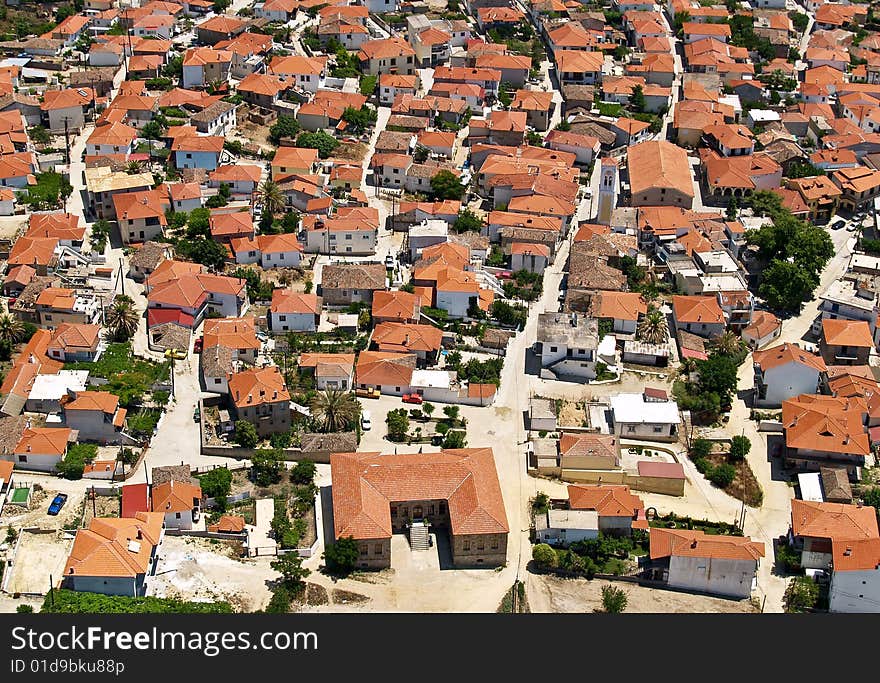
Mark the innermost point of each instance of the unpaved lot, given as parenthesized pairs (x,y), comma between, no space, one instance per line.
(36,515)
(197,570)
(552,594)
(39,556)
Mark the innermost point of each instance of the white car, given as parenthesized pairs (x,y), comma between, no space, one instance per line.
(366,421)
(390,261)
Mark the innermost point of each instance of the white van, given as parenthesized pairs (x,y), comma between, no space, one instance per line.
(366,420)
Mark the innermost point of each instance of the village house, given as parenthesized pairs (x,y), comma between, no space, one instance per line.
(700,315)
(294,311)
(56,305)
(784,372)
(817,526)
(114,556)
(260,396)
(346,283)
(405,488)
(568,345)
(97,417)
(845,342)
(333,371)
(618,510)
(41,448)
(696,561)
(179,501)
(650,415)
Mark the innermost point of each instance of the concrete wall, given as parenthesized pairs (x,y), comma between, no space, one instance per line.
(787,381)
(855,591)
(106,586)
(721,577)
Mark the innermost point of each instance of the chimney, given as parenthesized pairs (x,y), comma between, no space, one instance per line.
(847,552)
(694,543)
(140,534)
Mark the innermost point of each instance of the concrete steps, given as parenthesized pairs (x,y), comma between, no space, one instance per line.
(418,537)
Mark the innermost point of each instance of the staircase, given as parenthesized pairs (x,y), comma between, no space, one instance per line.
(490,281)
(418,536)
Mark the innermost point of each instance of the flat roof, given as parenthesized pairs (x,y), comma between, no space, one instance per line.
(810,484)
(632,408)
(47,387)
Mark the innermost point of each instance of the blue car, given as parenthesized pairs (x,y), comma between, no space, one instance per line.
(57,503)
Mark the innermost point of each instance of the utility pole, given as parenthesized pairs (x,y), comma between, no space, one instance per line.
(51,591)
(121,277)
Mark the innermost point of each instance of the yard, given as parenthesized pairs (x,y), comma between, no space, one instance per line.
(555,595)
(39,559)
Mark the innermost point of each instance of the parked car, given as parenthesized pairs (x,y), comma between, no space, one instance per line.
(389,261)
(413,398)
(366,421)
(197,414)
(838,224)
(57,503)
(367,393)
(197,346)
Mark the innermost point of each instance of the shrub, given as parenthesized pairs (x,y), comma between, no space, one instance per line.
(723,475)
(266,466)
(740,447)
(544,556)
(303,472)
(280,602)
(613,599)
(801,595)
(216,483)
(74,463)
(700,448)
(246,434)
(540,503)
(341,557)
(24,609)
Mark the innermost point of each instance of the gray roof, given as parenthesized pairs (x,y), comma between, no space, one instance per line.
(217,361)
(150,255)
(212,113)
(354,276)
(573,330)
(335,442)
(166,473)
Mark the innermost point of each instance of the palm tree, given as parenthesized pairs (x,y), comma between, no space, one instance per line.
(727,344)
(133,167)
(653,328)
(122,318)
(11,329)
(335,410)
(271,196)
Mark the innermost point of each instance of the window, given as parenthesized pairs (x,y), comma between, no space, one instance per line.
(552,349)
(658,430)
(630,429)
(480,545)
(282,318)
(363,549)
(465,545)
(378,549)
(394,511)
(396,388)
(494,544)
(177,515)
(442,508)
(217,380)
(22,458)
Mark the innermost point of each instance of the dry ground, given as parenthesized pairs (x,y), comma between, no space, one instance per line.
(195,569)
(552,594)
(571,414)
(39,556)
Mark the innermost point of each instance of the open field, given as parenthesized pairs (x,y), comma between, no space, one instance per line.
(39,556)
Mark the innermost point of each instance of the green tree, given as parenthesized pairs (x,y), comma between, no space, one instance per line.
(467,221)
(292,572)
(359,120)
(198,223)
(446,185)
(205,251)
(718,375)
(732,212)
(266,465)
(653,328)
(153,130)
(637,99)
(613,599)
(341,557)
(11,329)
(303,472)
(24,609)
(75,460)
(801,594)
(679,20)
(455,438)
(786,286)
(39,135)
(216,483)
(319,140)
(335,411)
(122,318)
(700,448)
(723,475)
(451,412)
(740,446)
(246,434)
(100,235)
(398,424)
(544,556)
(271,197)
(174,67)
(800,21)
(285,126)
(428,409)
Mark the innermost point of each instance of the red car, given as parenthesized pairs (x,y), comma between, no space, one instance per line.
(412,398)
(197,346)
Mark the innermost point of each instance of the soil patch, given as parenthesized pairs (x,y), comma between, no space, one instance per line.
(343,597)
(745,486)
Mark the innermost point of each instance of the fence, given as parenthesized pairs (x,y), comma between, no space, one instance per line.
(237,498)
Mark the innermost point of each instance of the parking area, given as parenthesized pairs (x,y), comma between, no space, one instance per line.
(38,560)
